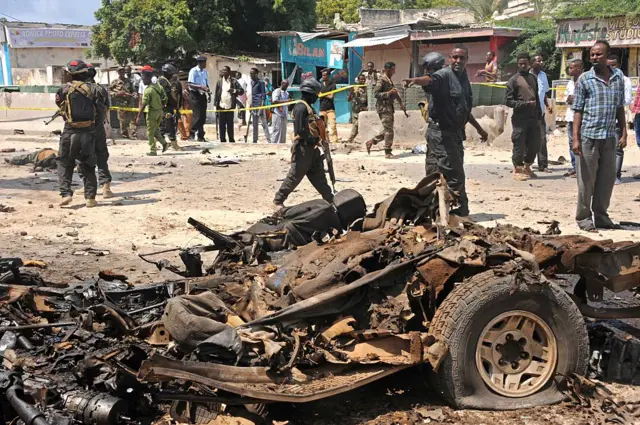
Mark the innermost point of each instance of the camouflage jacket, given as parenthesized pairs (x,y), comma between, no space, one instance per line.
(359,100)
(126,86)
(384,101)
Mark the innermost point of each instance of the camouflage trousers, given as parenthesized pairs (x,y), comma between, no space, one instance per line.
(128,124)
(354,126)
(386,118)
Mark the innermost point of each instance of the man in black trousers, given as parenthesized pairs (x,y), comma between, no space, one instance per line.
(226,97)
(199,87)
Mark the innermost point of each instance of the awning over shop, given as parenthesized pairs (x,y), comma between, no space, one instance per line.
(375,41)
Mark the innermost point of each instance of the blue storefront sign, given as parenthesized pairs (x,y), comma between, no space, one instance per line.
(316,52)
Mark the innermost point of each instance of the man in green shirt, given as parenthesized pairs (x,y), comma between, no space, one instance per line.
(153,100)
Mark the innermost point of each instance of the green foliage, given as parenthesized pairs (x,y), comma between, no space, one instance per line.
(538,36)
(348,10)
(595,8)
(155,31)
(482,9)
(141,31)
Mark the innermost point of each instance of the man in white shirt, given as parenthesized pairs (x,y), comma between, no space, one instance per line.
(280,95)
(225,99)
(614,62)
(576,67)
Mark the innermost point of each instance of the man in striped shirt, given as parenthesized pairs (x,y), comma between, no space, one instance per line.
(598,102)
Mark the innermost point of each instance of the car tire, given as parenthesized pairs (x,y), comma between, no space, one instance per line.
(485,308)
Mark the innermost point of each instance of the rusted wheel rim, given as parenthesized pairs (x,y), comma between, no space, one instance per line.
(516,354)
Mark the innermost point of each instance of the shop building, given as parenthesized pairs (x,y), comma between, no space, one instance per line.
(576,36)
(33,54)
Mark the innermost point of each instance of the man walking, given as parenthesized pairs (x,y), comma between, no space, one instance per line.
(154,100)
(432,62)
(172,89)
(280,95)
(598,102)
(385,94)
(452,102)
(226,97)
(77,101)
(198,83)
(258,98)
(123,96)
(359,102)
(543,88)
(575,70)
(522,96)
(327,106)
(614,63)
(306,159)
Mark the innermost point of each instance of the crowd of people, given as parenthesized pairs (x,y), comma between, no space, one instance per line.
(597,127)
(596,120)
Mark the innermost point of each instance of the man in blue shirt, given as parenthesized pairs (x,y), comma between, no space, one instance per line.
(543,88)
(258,98)
(199,88)
(598,102)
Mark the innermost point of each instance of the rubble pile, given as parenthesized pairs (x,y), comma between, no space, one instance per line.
(281,315)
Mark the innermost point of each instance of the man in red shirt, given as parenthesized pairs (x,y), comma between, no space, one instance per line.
(635,109)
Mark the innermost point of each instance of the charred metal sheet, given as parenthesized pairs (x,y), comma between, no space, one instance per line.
(618,270)
(256,383)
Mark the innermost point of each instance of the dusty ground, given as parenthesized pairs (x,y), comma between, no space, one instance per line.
(156,196)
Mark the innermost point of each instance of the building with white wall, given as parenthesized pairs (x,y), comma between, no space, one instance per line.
(34,53)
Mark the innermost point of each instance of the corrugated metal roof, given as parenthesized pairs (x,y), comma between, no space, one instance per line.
(480,31)
(375,41)
(304,36)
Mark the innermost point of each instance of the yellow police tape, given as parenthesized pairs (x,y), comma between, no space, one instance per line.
(251,108)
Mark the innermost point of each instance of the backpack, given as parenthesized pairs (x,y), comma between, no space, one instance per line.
(79,106)
(168,90)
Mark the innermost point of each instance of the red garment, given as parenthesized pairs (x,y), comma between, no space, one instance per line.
(635,107)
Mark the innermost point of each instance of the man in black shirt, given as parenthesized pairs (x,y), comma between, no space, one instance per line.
(452,103)
(522,96)
(328,107)
(306,158)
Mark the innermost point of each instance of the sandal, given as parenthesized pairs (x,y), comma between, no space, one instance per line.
(588,227)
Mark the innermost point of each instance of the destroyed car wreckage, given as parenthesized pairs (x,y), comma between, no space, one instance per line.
(297,309)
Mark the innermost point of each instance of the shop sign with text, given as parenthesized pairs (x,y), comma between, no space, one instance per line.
(619,31)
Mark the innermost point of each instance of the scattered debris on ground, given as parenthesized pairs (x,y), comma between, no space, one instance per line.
(301,306)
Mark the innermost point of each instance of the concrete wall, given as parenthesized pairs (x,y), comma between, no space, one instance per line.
(41,57)
(413,129)
(375,18)
(29,77)
(477,54)
(52,76)
(26,100)
(391,53)
(448,15)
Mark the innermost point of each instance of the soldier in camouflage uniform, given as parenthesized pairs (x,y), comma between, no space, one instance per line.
(359,103)
(123,95)
(385,93)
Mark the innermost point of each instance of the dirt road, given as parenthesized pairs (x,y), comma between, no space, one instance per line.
(156,196)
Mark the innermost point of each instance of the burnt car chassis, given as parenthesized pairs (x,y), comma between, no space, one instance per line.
(316,303)
(496,314)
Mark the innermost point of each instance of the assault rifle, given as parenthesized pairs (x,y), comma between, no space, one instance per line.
(56,115)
